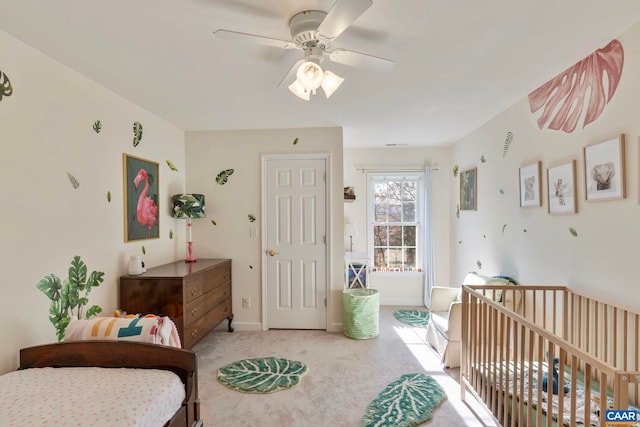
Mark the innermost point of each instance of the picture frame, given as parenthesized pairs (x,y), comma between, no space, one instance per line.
(561,189)
(604,170)
(530,185)
(469,190)
(141,182)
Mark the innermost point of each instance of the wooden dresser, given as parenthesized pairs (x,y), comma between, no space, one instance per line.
(195,295)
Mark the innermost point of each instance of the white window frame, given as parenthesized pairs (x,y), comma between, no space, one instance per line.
(372,177)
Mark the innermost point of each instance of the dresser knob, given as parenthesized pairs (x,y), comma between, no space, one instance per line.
(194,333)
(194,311)
(194,291)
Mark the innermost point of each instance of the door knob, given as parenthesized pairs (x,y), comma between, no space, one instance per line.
(272,252)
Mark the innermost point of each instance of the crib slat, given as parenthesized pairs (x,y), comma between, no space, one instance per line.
(573,390)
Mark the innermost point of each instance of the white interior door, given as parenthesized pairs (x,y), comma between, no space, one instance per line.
(295,257)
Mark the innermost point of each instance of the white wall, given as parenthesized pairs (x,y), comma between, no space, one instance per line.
(404,288)
(46,132)
(601,260)
(229,205)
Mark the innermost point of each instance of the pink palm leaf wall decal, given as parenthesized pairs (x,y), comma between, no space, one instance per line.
(591,82)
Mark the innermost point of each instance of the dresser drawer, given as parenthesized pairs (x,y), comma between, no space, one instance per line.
(208,280)
(200,327)
(200,306)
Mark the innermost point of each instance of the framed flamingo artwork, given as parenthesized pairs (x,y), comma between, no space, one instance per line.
(141,183)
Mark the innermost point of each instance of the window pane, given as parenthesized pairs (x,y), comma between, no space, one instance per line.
(381,212)
(410,258)
(409,191)
(395,235)
(395,258)
(380,191)
(395,213)
(395,191)
(380,258)
(380,235)
(409,235)
(409,212)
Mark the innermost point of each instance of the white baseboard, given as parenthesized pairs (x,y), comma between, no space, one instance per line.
(401,301)
(240,326)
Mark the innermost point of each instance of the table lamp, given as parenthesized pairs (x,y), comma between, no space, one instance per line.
(188,206)
(351,230)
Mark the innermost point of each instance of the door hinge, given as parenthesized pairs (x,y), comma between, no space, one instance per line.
(325,303)
(324,176)
(324,239)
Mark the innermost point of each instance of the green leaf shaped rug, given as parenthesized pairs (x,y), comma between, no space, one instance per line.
(413,317)
(262,375)
(408,401)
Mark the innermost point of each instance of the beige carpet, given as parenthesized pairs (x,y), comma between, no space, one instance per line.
(344,376)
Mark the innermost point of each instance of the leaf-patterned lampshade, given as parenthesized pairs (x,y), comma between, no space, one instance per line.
(188,206)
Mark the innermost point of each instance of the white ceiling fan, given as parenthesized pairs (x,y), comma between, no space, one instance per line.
(314,32)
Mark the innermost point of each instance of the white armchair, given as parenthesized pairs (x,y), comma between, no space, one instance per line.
(444,331)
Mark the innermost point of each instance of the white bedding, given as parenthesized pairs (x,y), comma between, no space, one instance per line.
(89,396)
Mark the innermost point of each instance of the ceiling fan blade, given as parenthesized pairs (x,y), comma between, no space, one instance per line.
(252,38)
(291,72)
(361,60)
(342,14)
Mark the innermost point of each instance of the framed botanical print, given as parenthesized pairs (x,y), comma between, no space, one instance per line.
(141,183)
(561,191)
(469,190)
(530,186)
(604,170)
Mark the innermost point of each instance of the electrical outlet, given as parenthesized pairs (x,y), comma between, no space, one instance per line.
(246,302)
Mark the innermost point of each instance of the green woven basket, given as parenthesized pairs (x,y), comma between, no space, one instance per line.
(360,313)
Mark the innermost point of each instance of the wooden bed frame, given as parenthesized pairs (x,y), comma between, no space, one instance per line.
(598,345)
(124,354)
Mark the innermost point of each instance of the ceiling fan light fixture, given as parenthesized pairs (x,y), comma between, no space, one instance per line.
(298,90)
(309,75)
(330,83)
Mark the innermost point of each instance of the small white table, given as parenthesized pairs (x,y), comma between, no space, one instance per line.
(357,270)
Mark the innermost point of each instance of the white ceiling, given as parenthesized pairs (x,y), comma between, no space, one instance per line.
(458,62)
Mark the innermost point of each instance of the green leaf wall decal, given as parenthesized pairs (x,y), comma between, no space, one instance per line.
(213,222)
(503,227)
(5,86)
(70,294)
(479,264)
(483,159)
(456,168)
(573,232)
(172,166)
(295,141)
(170,234)
(223,176)
(144,250)
(137,133)
(252,218)
(457,211)
(97,126)
(507,143)
(74,182)
(109,196)
(262,375)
